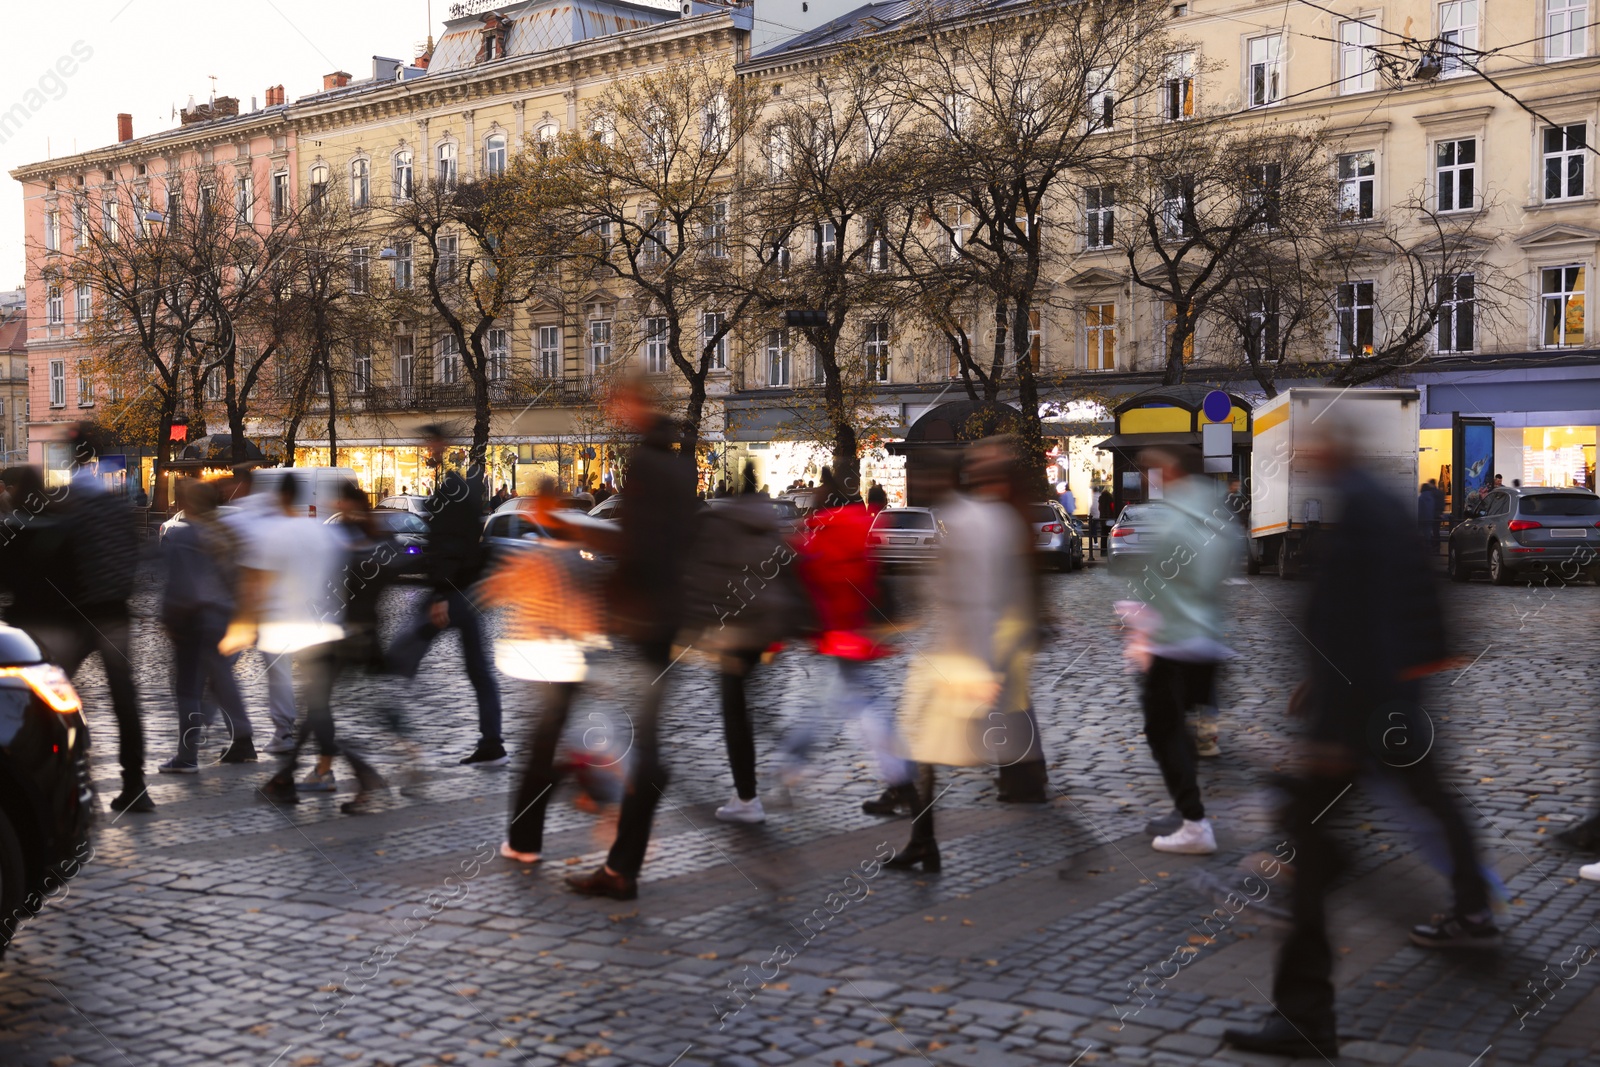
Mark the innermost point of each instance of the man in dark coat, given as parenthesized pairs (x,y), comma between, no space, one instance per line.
(456,559)
(1375,630)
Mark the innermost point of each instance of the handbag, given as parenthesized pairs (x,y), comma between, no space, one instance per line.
(947,699)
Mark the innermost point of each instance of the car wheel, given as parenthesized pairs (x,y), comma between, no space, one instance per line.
(1499,570)
(13,882)
(1452,566)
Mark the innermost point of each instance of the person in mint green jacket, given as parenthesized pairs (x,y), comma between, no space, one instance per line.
(1197,546)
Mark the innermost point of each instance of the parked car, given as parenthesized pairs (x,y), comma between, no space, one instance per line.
(1524,529)
(609,508)
(223,511)
(414,503)
(46,799)
(1131,536)
(408,534)
(1056,536)
(906,535)
(515,530)
(790,519)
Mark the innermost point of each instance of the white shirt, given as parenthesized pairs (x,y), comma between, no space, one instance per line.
(304,560)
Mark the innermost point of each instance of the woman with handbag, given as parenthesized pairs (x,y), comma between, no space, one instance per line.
(970,688)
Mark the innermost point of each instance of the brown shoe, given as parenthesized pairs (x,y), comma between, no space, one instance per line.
(602,883)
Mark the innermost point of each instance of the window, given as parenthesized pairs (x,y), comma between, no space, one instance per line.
(657,244)
(1358,57)
(58,383)
(494,156)
(52,231)
(1035,337)
(1100,216)
(601,228)
(1169,319)
(1100,329)
(1177,205)
(80,224)
(1358,184)
(360,270)
(174,208)
(655,345)
(54,313)
(1564,148)
(825,240)
(1265,194)
(599,344)
(716,230)
(404,265)
(954,114)
(1355,316)
(876,120)
(875,352)
(446,172)
(1456,311)
(782,257)
(361,367)
(1458,36)
(108,216)
(85,384)
(360,183)
(214,383)
(499,353)
(1102,98)
(405,361)
(280,195)
(546,137)
(449,359)
(1454,165)
(141,208)
(716,123)
(1565,24)
(208,197)
(84,310)
(1265,72)
(712,324)
(244,200)
(1561,293)
(402,175)
(319,186)
(549,351)
(1177,88)
(603,131)
(449,256)
(1261,326)
(878,245)
(777,153)
(778,357)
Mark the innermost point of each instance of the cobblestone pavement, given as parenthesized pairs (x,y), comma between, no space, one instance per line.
(223,930)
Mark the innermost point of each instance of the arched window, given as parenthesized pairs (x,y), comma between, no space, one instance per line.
(494,155)
(446,173)
(319,186)
(360,183)
(546,136)
(402,175)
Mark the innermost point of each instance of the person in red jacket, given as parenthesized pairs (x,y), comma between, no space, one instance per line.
(840,575)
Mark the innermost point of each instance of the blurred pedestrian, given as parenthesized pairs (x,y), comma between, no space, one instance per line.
(841,577)
(456,560)
(1430,508)
(500,497)
(744,601)
(1069,500)
(646,596)
(198,600)
(292,602)
(254,504)
(1374,628)
(1195,547)
(1108,515)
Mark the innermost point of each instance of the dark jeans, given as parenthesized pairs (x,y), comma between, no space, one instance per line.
(1303,986)
(196,662)
(105,629)
(648,777)
(1171,688)
(922,818)
(319,669)
(405,656)
(736,732)
(539,778)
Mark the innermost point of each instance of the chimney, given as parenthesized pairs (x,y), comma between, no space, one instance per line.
(337,80)
(274,95)
(124,127)
(225,107)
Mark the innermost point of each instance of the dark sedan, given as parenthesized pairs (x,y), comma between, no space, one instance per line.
(1515,530)
(46,800)
(407,533)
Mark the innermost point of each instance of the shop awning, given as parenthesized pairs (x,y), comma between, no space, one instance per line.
(1134,441)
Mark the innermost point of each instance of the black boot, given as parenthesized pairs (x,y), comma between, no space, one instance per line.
(1279,1037)
(134,797)
(895,799)
(1024,783)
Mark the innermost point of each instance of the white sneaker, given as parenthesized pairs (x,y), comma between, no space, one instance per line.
(279,745)
(319,783)
(1590,871)
(1191,839)
(737,810)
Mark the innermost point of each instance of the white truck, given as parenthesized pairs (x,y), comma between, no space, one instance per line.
(1290,502)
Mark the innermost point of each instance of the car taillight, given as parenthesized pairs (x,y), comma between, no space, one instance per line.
(1122,531)
(1524,524)
(1050,527)
(50,683)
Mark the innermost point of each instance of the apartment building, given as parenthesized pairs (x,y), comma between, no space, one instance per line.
(13,377)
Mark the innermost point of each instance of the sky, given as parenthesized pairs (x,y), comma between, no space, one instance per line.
(147,57)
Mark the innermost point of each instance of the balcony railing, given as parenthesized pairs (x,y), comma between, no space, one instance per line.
(438,396)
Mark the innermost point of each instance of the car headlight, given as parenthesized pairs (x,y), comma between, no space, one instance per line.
(50,683)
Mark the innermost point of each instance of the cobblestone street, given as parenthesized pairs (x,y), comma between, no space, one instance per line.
(223,930)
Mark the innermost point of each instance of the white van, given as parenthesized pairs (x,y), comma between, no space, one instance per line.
(318,487)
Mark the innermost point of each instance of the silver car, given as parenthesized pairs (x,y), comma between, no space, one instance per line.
(1056,537)
(906,535)
(1133,536)
(1522,529)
